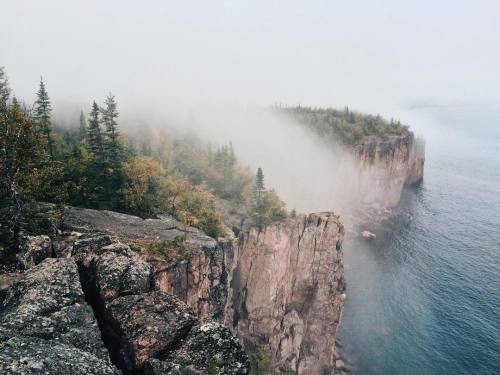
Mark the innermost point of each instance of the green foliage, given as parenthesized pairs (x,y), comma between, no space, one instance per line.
(93,165)
(351,128)
(267,206)
(43,110)
(83,127)
(27,173)
(260,360)
(174,250)
(4,90)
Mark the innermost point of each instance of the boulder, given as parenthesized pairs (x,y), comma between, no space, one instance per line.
(33,250)
(208,348)
(46,326)
(368,235)
(119,274)
(22,355)
(148,325)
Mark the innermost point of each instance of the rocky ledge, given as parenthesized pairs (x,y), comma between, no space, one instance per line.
(97,310)
(117,293)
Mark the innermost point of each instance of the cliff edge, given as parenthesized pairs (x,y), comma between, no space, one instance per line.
(287,292)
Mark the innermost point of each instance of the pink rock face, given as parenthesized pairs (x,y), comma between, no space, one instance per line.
(388,165)
(199,281)
(285,298)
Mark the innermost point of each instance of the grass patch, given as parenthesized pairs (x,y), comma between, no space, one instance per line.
(174,250)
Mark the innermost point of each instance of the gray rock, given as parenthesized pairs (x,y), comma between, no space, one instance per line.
(118,274)
(45,309)
(27,355)
(33,250)
(209,348)
(132,227)
(149,324)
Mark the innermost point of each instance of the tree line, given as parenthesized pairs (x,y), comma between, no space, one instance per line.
(94,165)
(350,127)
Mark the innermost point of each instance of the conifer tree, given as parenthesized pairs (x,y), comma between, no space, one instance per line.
(259,202)
(18,150)
(83,127)
(43,109)
(109,115)
(113,156)
(231,156)
(4,90)
(259,182)
(94,134)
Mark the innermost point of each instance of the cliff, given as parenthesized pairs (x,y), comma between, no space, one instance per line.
(89,303)
(155,292)
(287,293)
(386,166)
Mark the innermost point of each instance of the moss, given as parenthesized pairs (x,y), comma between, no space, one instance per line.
(260,360)
(134,247)
(174,250)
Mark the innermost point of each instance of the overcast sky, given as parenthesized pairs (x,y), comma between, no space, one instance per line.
(371,55)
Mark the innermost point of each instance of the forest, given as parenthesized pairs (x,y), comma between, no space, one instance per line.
(350,127)
(95,164)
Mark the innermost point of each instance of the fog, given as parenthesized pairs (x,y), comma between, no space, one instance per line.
(220,63)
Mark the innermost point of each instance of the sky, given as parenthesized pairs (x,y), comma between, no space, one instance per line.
(377,56)
(214,64)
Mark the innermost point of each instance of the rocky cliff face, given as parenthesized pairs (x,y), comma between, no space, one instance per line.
(386,166)
(287,293)
(281,291)
(98,308)
(187,263)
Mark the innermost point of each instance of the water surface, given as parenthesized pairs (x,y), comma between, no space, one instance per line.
(427,301)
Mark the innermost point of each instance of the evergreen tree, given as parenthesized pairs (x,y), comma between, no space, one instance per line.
(109,115)
(94,134)
(83,127)
(113,156)
(259,182)
(95,186)
(259,202)
(18,146)
(43,111)
(231,156)
(4,91)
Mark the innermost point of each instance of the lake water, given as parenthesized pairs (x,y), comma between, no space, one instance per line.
(427,300)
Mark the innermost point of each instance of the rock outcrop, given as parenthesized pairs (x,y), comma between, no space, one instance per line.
(98,308)
(287,294)
(46,326)
(186,262)
(281,291)
(145,329)
(386,166)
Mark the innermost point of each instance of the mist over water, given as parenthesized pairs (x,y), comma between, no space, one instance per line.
(427,300)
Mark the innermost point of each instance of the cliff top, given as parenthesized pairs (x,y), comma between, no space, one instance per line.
(351,127)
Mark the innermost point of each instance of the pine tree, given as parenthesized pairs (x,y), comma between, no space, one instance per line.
(83,127)
(94,134)
(43,111)
(259,182)
(113,156)
(232,155)
(4,91)
(259,216)
(109,115)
